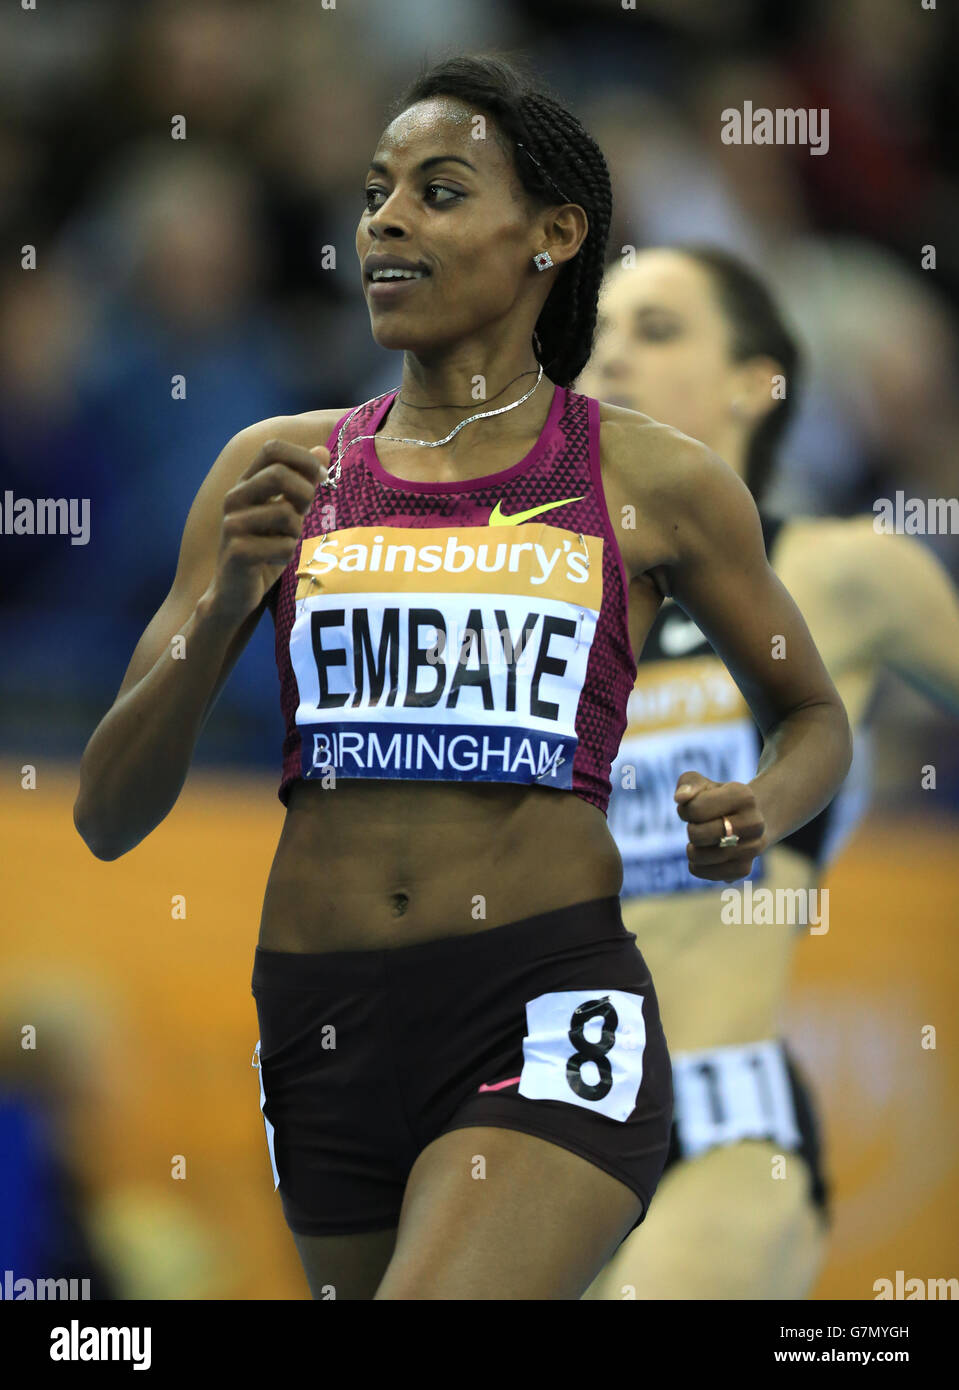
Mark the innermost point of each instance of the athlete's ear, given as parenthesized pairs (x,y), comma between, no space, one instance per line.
(758,385)
(562,232)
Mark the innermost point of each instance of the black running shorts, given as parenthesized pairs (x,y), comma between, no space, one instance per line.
(548,1025)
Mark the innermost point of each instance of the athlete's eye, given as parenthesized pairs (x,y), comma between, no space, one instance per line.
(657,330)
(443,189)
(370,193)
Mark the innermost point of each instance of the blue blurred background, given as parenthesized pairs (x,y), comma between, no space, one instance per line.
(202,257)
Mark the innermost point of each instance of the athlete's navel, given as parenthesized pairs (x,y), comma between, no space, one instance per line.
(399,902)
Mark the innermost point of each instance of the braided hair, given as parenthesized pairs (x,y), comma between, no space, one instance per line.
(555,160)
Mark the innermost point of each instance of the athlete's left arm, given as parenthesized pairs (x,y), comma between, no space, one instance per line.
(904,603)
(720,575)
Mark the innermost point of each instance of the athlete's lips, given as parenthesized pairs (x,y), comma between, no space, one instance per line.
(380,262)
(389,289)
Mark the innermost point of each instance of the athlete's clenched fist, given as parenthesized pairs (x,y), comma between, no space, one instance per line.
(714,810)
(262,518)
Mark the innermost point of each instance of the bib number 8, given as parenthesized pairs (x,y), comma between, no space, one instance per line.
(607,1033)
(587,1051)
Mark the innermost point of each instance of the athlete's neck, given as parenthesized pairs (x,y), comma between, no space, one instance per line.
(435,396)
(730,445)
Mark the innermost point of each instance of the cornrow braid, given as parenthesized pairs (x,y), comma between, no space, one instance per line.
(554,157)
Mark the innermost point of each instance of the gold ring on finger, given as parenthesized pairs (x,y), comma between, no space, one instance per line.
(730,838)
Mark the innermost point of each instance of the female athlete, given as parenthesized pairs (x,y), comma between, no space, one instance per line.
(463,1075)
(694,337)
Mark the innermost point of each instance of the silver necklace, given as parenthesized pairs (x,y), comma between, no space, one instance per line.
(333,476)
(413,406)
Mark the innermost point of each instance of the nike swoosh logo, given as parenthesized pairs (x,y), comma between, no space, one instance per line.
(679,635)
(498,519)
(498,1085)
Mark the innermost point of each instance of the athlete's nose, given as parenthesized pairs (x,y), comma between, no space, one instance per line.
(384,224)
(391,230)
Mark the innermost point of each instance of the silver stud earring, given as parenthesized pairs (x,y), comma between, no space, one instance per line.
(543,261)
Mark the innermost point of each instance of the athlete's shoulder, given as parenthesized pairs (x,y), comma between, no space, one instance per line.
(828,530)
(849,556)
(837,547)
(640,454)
(307,429)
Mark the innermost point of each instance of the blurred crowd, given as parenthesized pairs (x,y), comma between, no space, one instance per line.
(208,260)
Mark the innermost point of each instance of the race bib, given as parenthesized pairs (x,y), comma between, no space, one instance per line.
(451,654)
(682,715)
(585,1047)
(726,1094)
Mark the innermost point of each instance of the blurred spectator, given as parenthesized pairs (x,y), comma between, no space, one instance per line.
(882,351)
(228,259)
(45,1197)
(64,1214)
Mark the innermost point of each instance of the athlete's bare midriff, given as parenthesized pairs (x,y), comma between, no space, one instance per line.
(369,864)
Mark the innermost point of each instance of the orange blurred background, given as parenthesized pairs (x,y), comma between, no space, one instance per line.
(154,1018)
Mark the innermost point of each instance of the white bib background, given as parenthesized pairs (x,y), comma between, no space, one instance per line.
(725,1094)
(547,1049)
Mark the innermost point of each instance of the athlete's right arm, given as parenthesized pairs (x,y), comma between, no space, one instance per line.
(241,532)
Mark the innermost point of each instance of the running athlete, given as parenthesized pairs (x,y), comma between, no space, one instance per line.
(692,336)
(463,1077)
